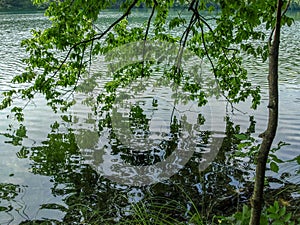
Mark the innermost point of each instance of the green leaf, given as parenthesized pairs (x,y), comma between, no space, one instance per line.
(277,222)
(274,167)
(2,208)
(282,211)
(287,217)
(21,131)
(275,158)
(242,136)
(264,220)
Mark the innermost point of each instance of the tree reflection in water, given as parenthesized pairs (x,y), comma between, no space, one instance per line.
(88,196)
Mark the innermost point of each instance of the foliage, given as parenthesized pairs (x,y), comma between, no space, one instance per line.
(16,4)
(27,4)
(76,41)
(155,213)
(8,192)
(273,214)
(16,135)
(295,5)
(247,148)
(61,55)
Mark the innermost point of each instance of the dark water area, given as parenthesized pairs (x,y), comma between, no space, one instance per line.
(51,167)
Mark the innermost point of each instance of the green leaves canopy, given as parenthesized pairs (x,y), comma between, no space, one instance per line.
(61,54)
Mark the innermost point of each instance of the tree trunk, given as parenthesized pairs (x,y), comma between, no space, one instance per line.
(269,135)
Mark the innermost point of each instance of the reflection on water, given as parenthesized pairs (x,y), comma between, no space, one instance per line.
(43,173)
(83,190)
(154,125)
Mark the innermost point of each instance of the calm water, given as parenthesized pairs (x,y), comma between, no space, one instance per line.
(37,181)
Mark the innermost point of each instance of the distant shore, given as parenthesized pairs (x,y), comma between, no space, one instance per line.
(28,5)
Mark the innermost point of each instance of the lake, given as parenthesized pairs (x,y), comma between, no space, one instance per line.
(50,174)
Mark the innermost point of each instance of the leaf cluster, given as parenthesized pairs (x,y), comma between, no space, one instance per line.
(273,214)
(61,54)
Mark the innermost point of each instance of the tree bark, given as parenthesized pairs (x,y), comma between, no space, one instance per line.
(269,135)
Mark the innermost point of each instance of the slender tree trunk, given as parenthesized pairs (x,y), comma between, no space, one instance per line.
(269,135)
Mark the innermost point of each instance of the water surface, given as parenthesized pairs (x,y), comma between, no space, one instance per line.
(40,179)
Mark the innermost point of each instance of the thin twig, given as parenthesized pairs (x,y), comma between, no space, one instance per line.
(146,34)
(202,19)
